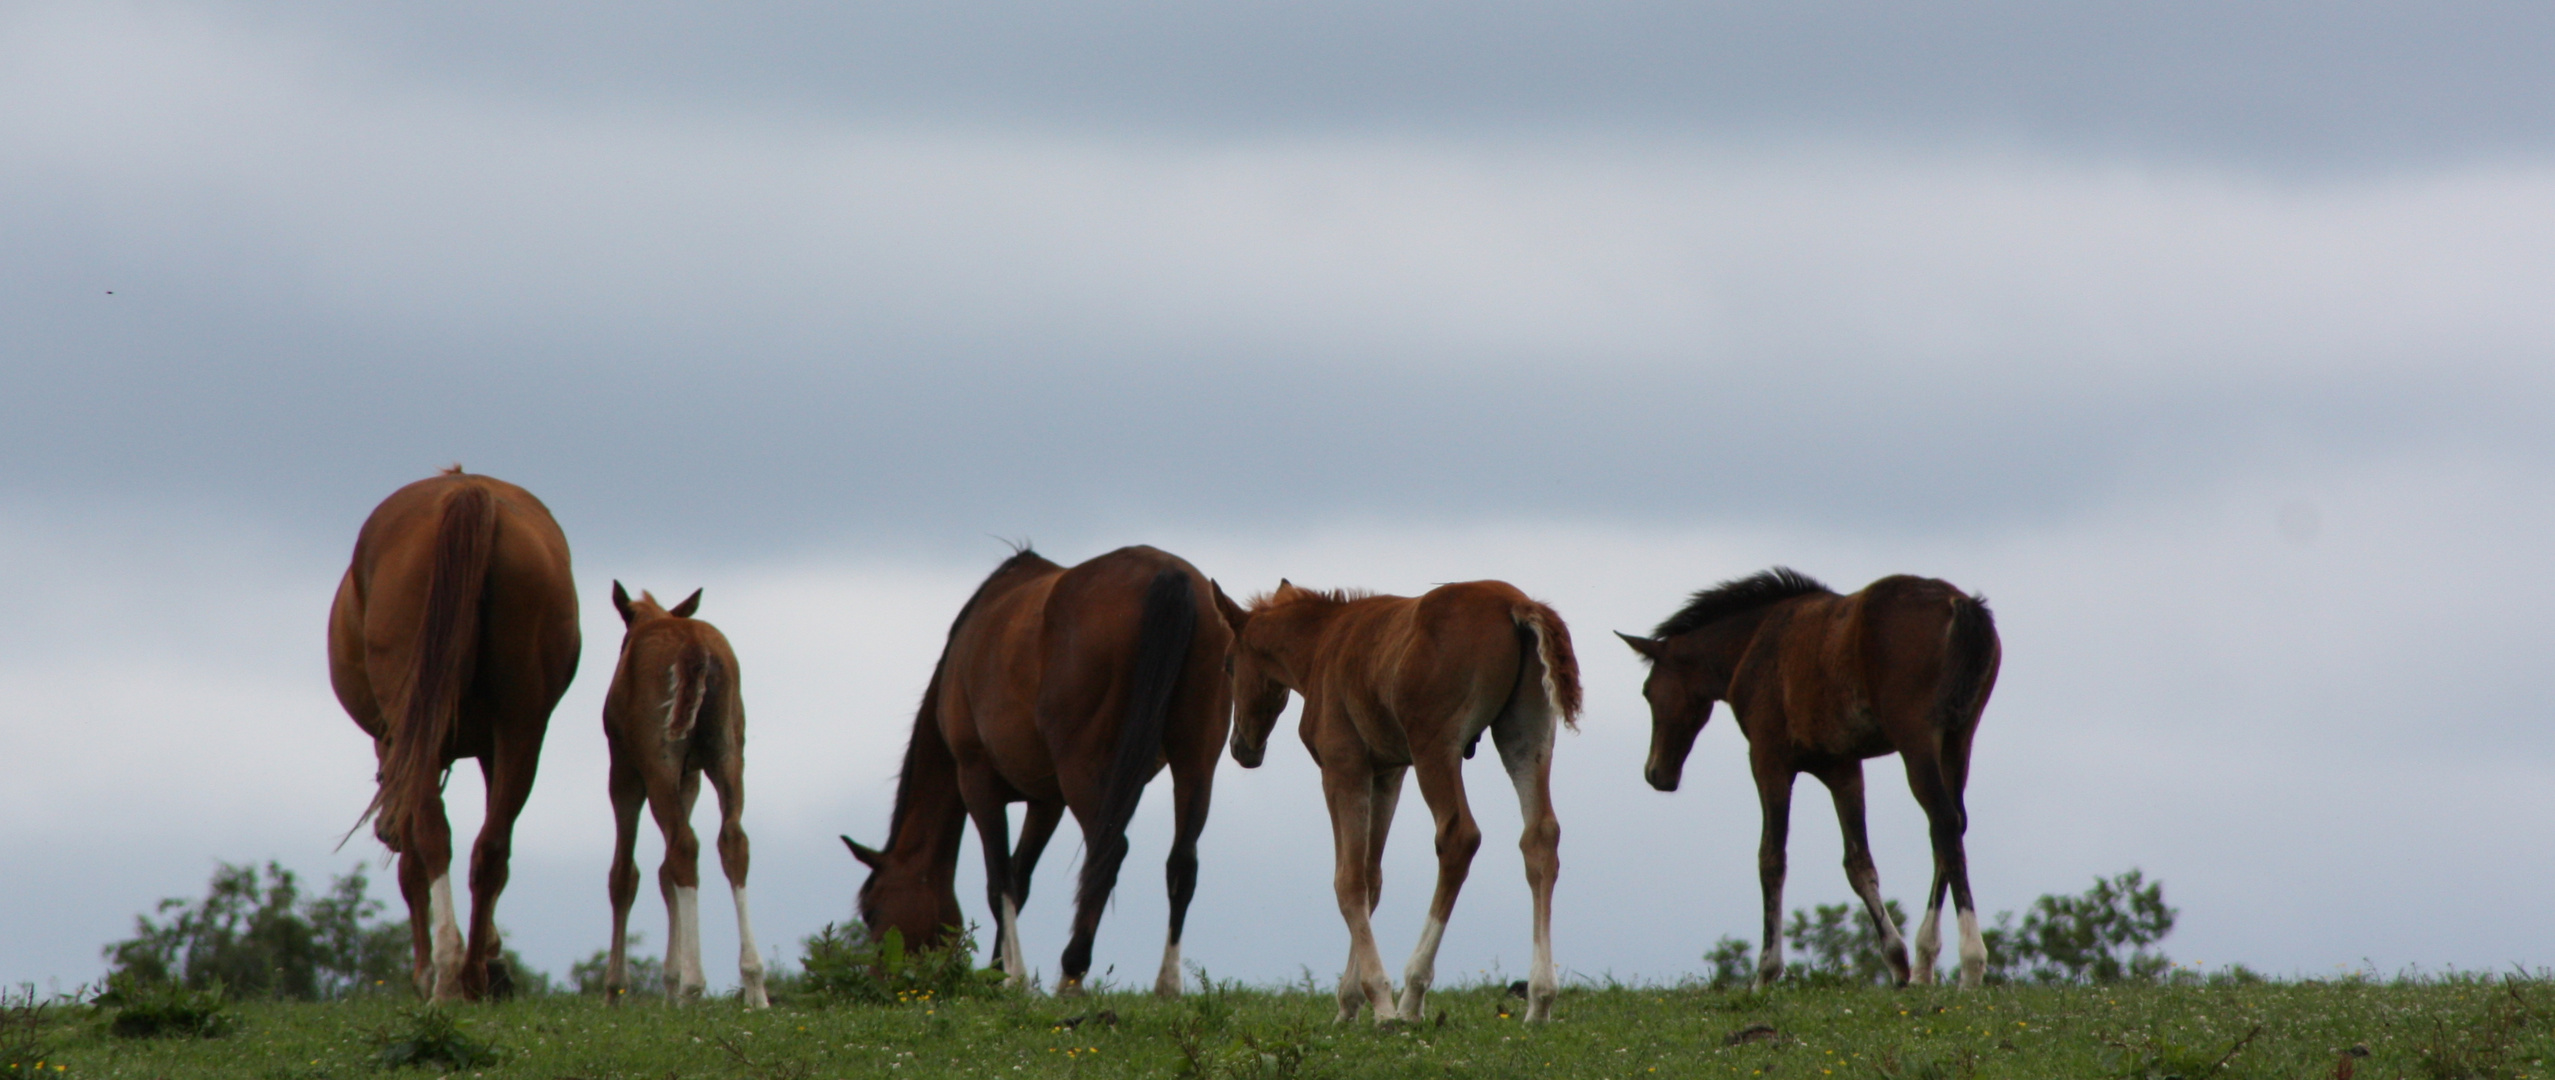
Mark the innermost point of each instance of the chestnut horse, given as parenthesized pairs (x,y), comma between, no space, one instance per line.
(453,634)
(1820,682)
(1390,683)
(1059,688)
(675,710)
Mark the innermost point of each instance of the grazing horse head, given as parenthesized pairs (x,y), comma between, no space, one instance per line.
(904,899)
(1258,693)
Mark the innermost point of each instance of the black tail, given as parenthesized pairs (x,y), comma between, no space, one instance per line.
(1971,655)
(1162,650)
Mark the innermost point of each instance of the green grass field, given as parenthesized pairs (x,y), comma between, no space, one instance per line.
(2454,1027)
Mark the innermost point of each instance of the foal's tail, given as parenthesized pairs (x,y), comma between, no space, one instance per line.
(1971,655)
(445,653)
(1162,650)
(695,691)
(1552,647)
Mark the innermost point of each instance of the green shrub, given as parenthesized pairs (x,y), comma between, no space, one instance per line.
(646,973)
(841,963)
(2101,936)
(258,937)
(1733,962)
(1836,943)
(430,1036)
(147,1009)
(23,1019)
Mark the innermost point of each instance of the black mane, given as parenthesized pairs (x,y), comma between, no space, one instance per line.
(1738,596)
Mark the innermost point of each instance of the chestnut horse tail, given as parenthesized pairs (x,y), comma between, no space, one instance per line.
(694,694)
(445,653)
(1561,665)
(1162,650)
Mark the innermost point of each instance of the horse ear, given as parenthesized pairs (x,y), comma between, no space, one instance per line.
(869,857)
(1649,648)
(1234,616)
(689,605)
(621,601)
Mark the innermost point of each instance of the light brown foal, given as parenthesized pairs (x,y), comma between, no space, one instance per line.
(1391,684)
(674,712)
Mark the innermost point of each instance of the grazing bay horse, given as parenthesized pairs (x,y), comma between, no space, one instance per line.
(1059,688)
(1391,683)
(674,711)
(453,634)
(1820,682)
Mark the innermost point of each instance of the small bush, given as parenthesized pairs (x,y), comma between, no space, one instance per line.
(1836,943)
(23,1021)
(841,963)
(146,1009)
(430,1036)
(646,973)
(1733,962)
(257,936)
(2101,936)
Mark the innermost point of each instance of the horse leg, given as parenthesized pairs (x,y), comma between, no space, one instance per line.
(1037,826)
(629,793)
(736,856)
(1774,799)
(429,847)
(416,887)
(1192,784)
(1441,783)
(507,773)
(1350,790)
(1948,819)
(1929,933)
(1525,741)
(678,880)
(1845,786)
(982,793)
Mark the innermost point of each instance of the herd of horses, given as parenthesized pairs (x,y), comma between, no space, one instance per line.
(454,633)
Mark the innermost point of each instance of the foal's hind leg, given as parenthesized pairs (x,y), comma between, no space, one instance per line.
(1525,740)
(1948,819)
(629,795)
(1441,783)
(1845,785)
(736,855)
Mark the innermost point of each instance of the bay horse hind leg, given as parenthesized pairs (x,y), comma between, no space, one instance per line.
(1524,735)
(1845,785)
(629,790)
(736,857)
(1192,789)
(1947,819)
(1458,838)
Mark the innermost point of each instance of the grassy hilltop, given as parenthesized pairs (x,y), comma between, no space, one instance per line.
(2353,1028)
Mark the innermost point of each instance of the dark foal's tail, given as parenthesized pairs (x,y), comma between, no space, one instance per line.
(1162,650)
(445,653)
(1971,655)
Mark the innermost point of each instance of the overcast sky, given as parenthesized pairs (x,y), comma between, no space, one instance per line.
(2213,343)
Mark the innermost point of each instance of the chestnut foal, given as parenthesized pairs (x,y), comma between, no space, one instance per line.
(1392,683)
(1820,682)
(452,636)
(674,711)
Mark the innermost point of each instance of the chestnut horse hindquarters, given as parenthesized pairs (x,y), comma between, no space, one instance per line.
(453,635)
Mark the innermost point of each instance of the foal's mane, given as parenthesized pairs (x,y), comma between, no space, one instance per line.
(1264,601)
(1739,596)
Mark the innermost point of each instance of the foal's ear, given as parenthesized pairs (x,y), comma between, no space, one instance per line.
(1234,616)
(869,857)
(1649,648)
(621,601)
(689,605)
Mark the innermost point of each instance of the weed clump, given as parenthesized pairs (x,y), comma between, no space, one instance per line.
(22,1025)
(842,963)
(155,1009)
(430,1037)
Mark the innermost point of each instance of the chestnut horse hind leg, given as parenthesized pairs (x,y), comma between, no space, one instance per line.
(1845,786)
(736,855)
(629,796)
(1524,735)
(1459,837)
